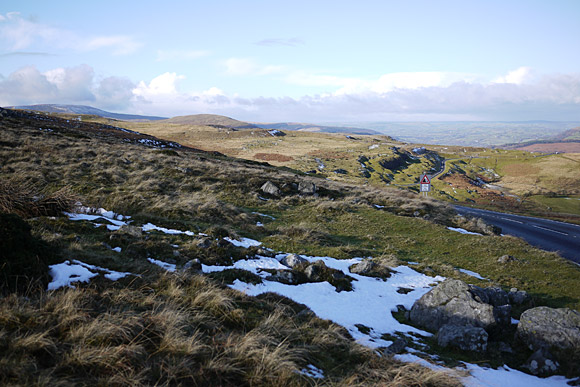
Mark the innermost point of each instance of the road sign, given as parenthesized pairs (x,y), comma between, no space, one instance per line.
(425,183)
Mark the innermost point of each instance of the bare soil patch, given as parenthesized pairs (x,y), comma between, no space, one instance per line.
(273,157)
(563,147)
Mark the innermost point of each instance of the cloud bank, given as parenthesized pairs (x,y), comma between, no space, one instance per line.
(518,95)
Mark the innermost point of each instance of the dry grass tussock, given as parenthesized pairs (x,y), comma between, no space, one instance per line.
(24,200)
(179,330)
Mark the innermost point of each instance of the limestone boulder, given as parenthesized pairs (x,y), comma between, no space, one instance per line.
(451,302)
(467,338)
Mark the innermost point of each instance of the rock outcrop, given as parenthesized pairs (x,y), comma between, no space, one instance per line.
(369,268)
(270,189)
(452,302)
(554,330)
(467,338)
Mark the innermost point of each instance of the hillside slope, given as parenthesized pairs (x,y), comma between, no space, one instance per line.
(159,275)
(87,110)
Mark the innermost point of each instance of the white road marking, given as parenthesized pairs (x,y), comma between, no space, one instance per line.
(549,229)
(512,220)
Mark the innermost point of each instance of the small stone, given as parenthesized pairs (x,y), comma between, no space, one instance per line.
(193,265)
(270,189)
(292,260)
(506,258)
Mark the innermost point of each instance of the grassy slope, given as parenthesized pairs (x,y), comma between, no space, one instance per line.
(203,192)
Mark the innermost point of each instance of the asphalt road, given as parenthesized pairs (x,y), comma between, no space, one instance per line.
(546,234)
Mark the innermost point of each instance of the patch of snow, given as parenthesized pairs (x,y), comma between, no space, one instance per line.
(164,265)
(378,206)
(412,263)
(244,242)
(515,322)
(370,303)
(264,215)
(251,265)
(117,249)
(275,132)
(506,376)
(312,371)
(65,274)
(463,231)
(472,273)
(150,227)
(259,224)
(374,146)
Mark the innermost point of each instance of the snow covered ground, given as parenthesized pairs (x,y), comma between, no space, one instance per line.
(370,303)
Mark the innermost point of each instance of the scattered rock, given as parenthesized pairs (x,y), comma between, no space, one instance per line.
(557,330)
(293,260)
(340,171)
(204,243)
(265,252)
(306,188)
(369,268)
(506,258)
(270,189)
(314,271)
(467,338)
(283,276)
(133,231)
(451,302)
(398,346)
(193,265)
(542,363)
(518,297)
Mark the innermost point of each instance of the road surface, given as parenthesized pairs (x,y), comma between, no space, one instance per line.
(546,234)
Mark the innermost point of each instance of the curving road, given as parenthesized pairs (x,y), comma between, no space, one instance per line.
(543,233)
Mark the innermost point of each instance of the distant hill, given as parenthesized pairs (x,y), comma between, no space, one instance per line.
(317,128)
(211,120)
(567,141)
(88,110)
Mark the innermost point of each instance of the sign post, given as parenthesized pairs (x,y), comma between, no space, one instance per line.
(425,184)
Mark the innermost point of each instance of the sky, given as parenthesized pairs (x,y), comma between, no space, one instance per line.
(300,61)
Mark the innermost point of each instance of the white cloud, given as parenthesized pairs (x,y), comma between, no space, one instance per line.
(19,33)
(164,84)
(426,96)
(517,77)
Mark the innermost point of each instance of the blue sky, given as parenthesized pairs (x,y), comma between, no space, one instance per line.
(330,61)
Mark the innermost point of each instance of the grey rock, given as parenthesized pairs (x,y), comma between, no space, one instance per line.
(369,268)
(193,265)
(398,346)
(503,314)
(467,338)
(555,329)
(314,271)
(504,347)
(451,302)
(133,231)
(293,260)
(204,243)
(518,297)
(265,252)
(270,189)
(542,363)
(506,258)
(306,188)
(493,295)
(283,276)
